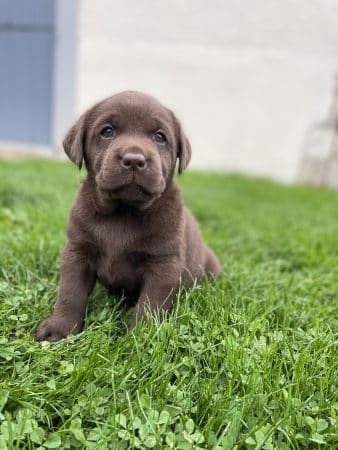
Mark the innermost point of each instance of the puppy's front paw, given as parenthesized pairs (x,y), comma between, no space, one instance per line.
(56,328)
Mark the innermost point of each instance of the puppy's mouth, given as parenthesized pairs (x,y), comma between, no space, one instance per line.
(131,192)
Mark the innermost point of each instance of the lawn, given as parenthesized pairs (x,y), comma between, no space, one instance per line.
(246,362)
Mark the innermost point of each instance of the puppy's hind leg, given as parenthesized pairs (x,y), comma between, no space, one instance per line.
(212,264)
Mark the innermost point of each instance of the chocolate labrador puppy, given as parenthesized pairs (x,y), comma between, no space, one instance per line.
(128,227)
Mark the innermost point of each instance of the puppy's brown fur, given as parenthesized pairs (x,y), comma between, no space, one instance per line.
(128,227)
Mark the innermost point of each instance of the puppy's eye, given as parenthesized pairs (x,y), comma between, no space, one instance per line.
(107,132)
(159,137)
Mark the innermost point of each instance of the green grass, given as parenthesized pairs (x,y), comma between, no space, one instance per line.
(247,362)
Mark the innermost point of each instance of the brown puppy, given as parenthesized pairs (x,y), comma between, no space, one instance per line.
(128,227)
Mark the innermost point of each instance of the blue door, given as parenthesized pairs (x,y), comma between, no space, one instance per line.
(26,65)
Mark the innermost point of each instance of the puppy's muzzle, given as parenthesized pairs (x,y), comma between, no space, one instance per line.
(133,161)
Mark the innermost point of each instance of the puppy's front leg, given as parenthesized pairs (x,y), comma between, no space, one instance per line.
(77,280)
(158,290)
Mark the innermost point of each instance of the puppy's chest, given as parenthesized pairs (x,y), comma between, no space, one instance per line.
(123,251)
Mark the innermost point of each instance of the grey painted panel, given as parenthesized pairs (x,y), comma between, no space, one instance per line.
(26,12)
(26,61)
(65,69)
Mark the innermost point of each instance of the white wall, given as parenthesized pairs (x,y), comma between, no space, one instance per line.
(247,78)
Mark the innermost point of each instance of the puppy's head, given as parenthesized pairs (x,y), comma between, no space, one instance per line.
(130,144)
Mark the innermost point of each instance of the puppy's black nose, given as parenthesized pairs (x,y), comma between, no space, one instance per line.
(135,161)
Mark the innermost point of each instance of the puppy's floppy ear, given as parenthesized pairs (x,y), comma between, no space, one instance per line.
(183,148)
(73,143)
